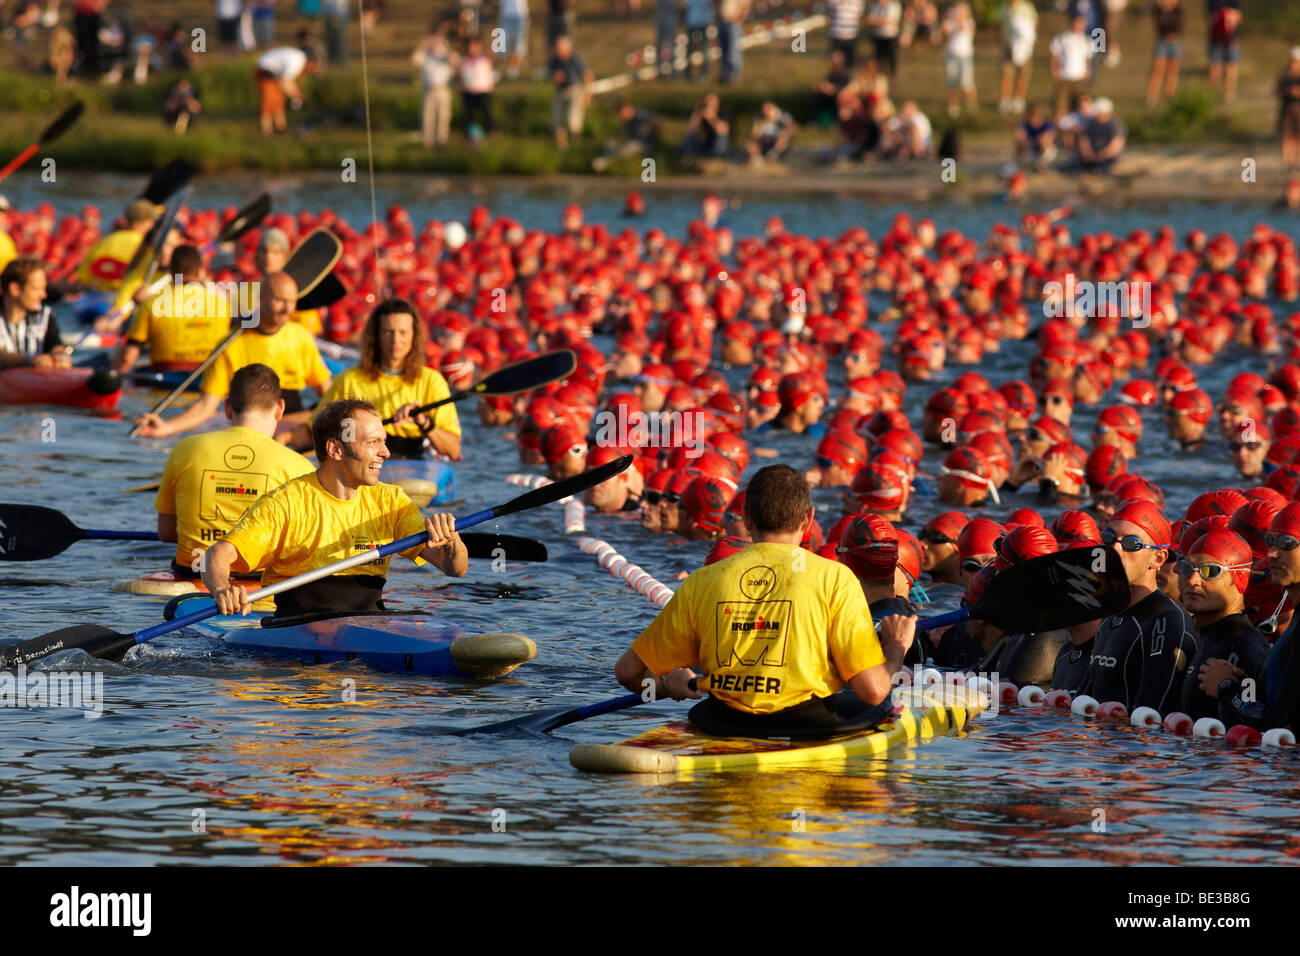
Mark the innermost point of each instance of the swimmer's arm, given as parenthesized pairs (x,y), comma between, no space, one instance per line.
(631,672)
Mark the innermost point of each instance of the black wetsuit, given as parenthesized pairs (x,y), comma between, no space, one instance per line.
(921,650)
(1276,702)
(1139,656)
(957,648)
(1072,665)
(1024,658)
(1233,639)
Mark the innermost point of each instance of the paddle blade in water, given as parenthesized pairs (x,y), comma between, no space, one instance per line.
(507,547)
(94,640)
(1056,590)
(32,533)
(105,381)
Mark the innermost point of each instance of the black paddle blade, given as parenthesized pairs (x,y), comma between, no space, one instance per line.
(1056,590)
(167,180)
(33,533)
(528,374)
(94,640)
(327,291)
(247,218)
(62,122)
(508,546)
(105,381)
(563,488)
(313,259)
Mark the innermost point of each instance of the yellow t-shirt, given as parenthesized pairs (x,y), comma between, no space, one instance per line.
(210,480)
(310,320)
(8,251)
(291,353)
(181,325)
(388,393)
(300,526)
(772,627)
(105,264)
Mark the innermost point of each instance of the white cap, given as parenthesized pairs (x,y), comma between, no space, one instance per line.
(1295,53)
(454,235)
(1102,104)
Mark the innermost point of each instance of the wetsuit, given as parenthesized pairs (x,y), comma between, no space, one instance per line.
(1233,639)
(1024,658)
(1139,656)
(1072,665)
(1277,701)
(921,650)
(957,648)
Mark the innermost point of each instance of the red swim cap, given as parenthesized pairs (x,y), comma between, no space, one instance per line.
(1149,518)
(1105,463)
(724,548)
(705,501)
(1251,521)
(1225,501)
(1021,544)
(1025,516)
(869,547)
(949,524)
(978,537)
(1075,529)
(1230,550)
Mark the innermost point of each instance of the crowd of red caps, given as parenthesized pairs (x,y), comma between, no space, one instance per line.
(789,306)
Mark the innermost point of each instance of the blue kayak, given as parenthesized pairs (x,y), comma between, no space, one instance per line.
(397,642)
(426,480)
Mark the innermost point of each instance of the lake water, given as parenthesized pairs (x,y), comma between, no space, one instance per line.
(206,755)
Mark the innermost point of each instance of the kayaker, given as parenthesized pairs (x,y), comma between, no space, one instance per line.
(796,629)
(104,266)
(29,334)
(177,334)
(1213,581)
(287,348)
(340,509)
(393,377)
(1139,656)
(210,480)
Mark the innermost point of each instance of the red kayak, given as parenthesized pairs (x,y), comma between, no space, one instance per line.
(62,386)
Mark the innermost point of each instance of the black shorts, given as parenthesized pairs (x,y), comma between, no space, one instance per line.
(228,31)
(886,54)
(818,719)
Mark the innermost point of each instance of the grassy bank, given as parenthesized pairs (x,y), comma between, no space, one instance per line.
(123,129)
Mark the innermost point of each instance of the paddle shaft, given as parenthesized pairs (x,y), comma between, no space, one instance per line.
(100,534)
(519,377)
(203,367)
(51,133)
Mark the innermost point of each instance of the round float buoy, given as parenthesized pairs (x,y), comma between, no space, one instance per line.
(1243,736)
(930,676)
(1208,727)
(1084,706)
(1057,698)
(1030,696)
(1178,723)
(1145,717)
(1008,692)
(980,685)
(1278,737)
(1112,710)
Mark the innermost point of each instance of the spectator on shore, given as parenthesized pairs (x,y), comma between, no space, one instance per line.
(1225,44)
(278,71)
(336,16)
(476,85)
(907,135)
(22,31)
(1019,35)
(572,81)
(263,22)
(858,115)
(699,17)
(920,23)
(845,20)
(86,16)
(666,14)
(561,20)
(826,94)
(514,25)
(640,136)
(228,14)
(1070,126)
(731,20)
(1071,56)
(437,64)
(1288,119)
(1290,195)
(1035,140)
(181,105)
(1101,141)
(771,135)
(1168,15)
(707,133)
(63,54)
(114,43)
(372,10)
(1094,26)
(176,48)
(959,57)
(885,21)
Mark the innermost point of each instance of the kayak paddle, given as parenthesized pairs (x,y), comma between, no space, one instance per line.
(52,132)
(328,291)
(308,264)
(99,641)
(34,533)
(512,379)
(166,181)
(1041,594)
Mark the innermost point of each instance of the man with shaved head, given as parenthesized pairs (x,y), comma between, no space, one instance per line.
(269,338)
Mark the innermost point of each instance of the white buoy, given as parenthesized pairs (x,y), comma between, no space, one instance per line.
(930,676)
(1145,717)
(1278,737)
(980,685)
(1084,706)
(1031,696)
(1208,727)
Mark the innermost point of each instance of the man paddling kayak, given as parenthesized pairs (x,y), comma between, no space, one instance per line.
(287,348)
(339,510)
(392,376)
(210,480)
(777,629)
(29,333)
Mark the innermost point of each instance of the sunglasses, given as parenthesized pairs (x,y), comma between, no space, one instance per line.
(1270,626)
(934,537)
(1130,542)
(1208,571)
(972,565)
(1237,446)
(1055,400)
(1034,435)
(1283,542)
